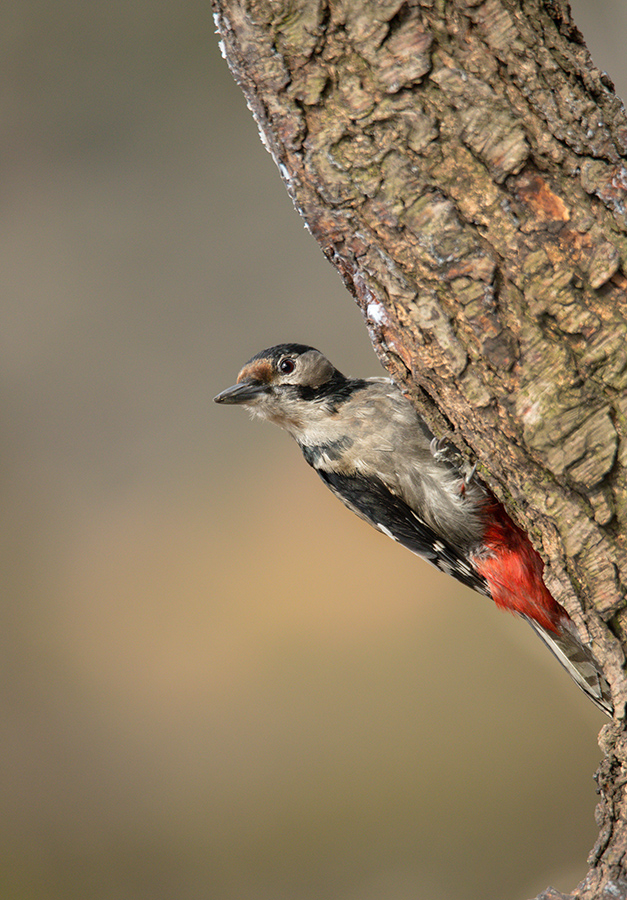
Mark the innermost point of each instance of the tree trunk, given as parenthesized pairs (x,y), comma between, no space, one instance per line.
(461,163)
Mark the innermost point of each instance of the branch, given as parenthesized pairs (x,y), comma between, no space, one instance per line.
(461,163)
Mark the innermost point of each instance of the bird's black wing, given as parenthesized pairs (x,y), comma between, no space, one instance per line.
(374,502)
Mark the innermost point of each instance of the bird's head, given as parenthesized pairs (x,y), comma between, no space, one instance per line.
(282,383)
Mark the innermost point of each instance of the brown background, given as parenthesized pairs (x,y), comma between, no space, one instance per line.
(216,684)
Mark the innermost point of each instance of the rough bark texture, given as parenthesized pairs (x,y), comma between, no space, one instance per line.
(462,164)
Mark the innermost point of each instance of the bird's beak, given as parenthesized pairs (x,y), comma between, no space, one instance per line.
(243,392)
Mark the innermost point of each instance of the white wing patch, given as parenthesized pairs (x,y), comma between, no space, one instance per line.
(386,531)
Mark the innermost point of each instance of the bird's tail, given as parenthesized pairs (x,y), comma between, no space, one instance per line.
(578,662)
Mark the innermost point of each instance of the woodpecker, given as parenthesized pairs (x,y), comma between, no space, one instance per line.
(371,448)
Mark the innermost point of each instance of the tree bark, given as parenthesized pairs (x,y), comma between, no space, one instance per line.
(462,164)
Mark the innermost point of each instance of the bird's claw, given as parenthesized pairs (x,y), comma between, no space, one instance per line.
(468,477)
(443,451)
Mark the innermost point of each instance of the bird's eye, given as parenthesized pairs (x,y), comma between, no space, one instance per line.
(287,366)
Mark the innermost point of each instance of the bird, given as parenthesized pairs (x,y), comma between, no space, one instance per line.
(378,456)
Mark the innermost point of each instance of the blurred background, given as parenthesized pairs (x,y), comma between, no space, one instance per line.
(215,682)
